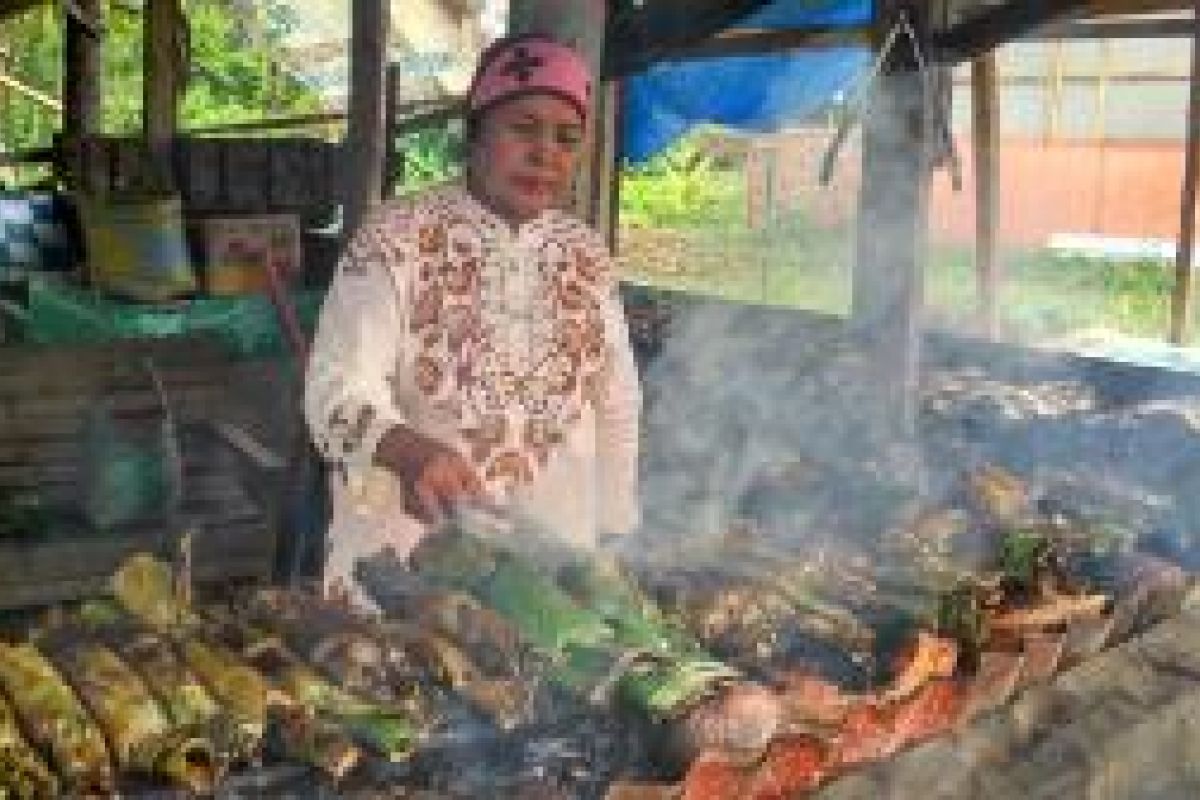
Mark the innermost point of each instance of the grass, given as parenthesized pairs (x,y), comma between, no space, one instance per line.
(688,233)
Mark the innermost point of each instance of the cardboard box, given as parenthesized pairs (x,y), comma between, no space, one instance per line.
(238,251)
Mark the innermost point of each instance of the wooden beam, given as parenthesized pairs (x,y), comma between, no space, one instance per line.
(998,25)
(1182,296)
(985,138)
(582,24)
(41,155)
(37,96)
(1144,28)
(82,74)
(366,139)
(10,8)
(758,42)
(1107,7)
(161,86)
(602,202)
(82,83)
(271,123)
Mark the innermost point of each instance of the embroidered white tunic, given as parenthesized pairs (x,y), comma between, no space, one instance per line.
(509,346)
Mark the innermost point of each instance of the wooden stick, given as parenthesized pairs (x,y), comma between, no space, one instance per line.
(1181,298)
(986,140)
(36,95)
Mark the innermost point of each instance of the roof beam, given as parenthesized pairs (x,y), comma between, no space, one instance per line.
(1000,24)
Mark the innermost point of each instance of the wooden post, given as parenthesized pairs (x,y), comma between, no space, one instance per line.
(162,83)
(1181,299)
(985,136)
(366,137)
(392,159)
(602,208)
(82,80)
(892,231)
(580,23)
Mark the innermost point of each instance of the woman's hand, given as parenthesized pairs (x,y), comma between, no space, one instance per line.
(435,477)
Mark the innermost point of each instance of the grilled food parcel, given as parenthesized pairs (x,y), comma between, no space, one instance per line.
(139,687)
(1034,594)
(23,773)
(600,639)
(261,683)
(974,629)
(55,720)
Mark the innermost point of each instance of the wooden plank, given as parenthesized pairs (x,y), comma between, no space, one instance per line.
(54,571)
(366,139)
(20,380)
(1182,294)
(247,176)
(52,416)
(985,137)
(50,370)
(202,174)
(297,175)
(270,124)
(132,168)
(95,170)
(81,554)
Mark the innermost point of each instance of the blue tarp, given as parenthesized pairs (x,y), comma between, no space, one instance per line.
(746,92)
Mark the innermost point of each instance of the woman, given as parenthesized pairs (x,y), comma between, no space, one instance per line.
(472,348)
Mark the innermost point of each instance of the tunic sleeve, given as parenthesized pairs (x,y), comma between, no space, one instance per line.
(349,403)
(617,419)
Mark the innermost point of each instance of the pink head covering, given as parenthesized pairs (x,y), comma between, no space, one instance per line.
(526,64)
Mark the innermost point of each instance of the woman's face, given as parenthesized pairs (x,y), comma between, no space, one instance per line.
(524,155)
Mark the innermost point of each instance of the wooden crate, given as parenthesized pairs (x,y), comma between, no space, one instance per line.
(45,394)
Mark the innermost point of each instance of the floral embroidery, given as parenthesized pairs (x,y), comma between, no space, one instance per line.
(431,239)
(509,337)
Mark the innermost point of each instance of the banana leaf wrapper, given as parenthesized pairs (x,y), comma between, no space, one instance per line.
(504,701)
(585,651)
(339,644)
(141,737)
(266,714)
(386,731)
(23,773)
(666,689)
(145,588)
(183,697)
(294,734)
(546,617)
(55,720)
(240,690)
(635,619)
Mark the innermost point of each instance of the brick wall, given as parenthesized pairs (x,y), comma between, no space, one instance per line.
(1126,188)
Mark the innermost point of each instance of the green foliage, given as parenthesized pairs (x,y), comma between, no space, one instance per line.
(31,51)
(429,156)
(236,73)
(682,187)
